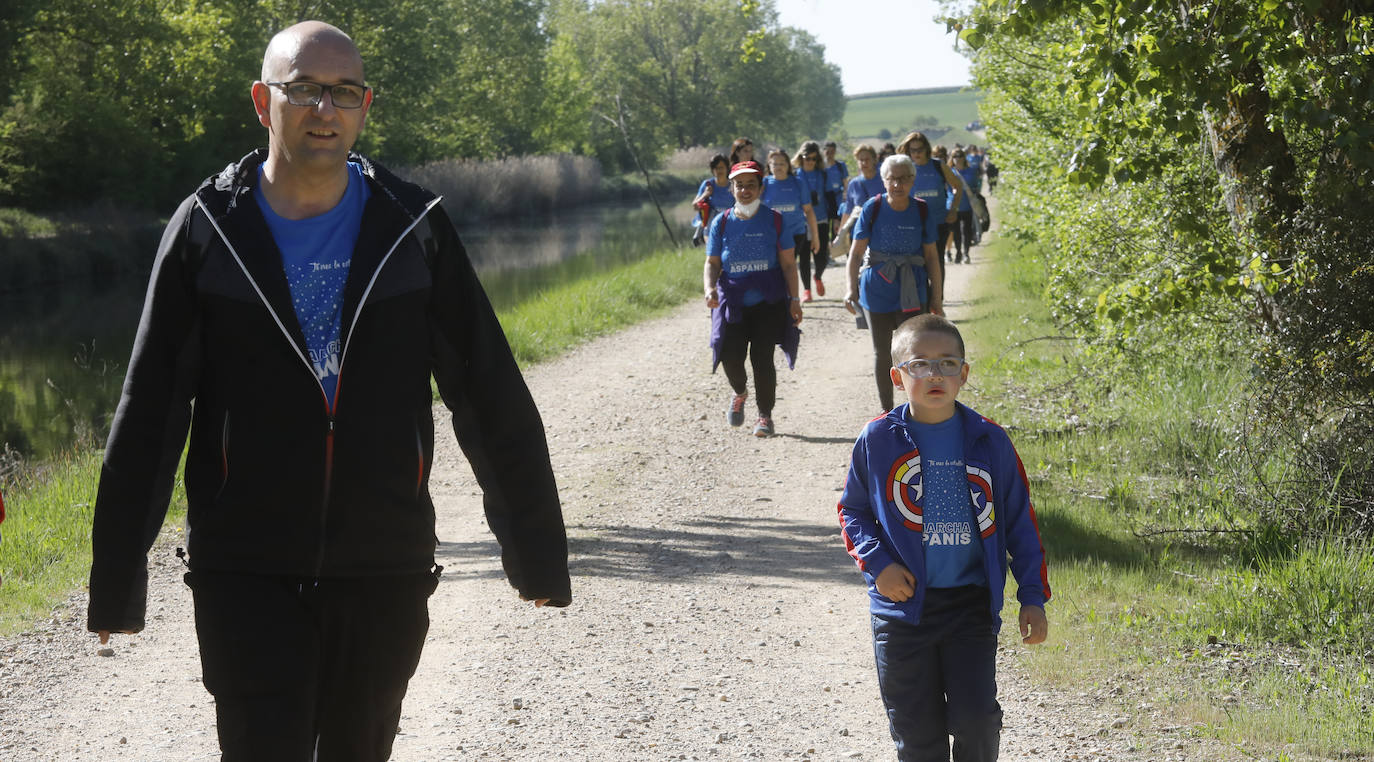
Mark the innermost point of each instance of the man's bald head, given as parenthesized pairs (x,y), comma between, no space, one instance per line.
(284,51)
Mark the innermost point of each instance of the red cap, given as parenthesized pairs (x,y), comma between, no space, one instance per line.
(744,168)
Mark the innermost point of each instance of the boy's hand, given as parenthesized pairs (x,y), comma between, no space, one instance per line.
(1034,626)
(895,583)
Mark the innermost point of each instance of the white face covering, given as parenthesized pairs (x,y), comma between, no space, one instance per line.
(745,211)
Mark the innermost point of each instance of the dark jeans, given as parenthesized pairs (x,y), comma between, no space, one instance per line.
(304,670)
(939,678)
(756,334)
(881,326)
(803,251)
(963,236)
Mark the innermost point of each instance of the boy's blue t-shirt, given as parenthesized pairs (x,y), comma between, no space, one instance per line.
(930,187)
(972,180)
(786,197)
(893,233)
(860,190)
(720,196)
(746,246)
(954,551)
(835,175)
(316,253)
(815,180)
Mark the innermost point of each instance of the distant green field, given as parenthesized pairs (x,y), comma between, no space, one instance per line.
(898,114)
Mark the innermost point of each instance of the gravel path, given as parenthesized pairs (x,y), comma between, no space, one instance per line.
(716,614)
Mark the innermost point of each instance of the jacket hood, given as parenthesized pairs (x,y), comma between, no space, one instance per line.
(976,425)
(225,190)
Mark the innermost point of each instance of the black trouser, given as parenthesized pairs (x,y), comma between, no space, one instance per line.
(963,236)
(803,251)
(305,669)
(941,246)
(881,326)
(832,204)
(938,678)
(756,334)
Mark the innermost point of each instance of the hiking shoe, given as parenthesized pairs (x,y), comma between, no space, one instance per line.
(820,288)
(806,295)
(735,415)
(764,427)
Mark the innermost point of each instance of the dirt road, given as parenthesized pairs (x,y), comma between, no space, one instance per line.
(716,613)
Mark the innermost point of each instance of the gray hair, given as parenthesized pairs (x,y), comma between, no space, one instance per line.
(894,162)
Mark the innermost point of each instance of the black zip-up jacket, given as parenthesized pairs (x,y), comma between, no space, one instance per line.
(277,483)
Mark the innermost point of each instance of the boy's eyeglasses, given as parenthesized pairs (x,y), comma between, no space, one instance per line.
(921,367)
(302,93)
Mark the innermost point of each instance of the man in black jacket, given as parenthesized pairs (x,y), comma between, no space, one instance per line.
(302,298)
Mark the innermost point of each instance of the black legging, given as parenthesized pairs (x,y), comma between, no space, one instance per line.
(803,251)
(755,334)
(963,236)
(881,326)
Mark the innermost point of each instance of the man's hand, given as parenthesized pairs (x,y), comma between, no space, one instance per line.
(1034,626)
(712,300)
(937,307)
(796,309)
(896,583)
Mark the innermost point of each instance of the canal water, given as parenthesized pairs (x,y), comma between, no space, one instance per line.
(63,350)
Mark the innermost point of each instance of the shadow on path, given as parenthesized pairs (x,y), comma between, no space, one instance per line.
(758,550)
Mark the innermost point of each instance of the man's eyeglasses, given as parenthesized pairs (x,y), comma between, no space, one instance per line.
(902,179)
(342,95)
(921,367)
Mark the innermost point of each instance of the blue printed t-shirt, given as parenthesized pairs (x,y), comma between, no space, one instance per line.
(860,190)
(786,197)
(930,187)
(316,253)
(720,196)
(835,175)
(815,180)
(746,246)
(971,179)
(976,161)
(893,233)
(954,551)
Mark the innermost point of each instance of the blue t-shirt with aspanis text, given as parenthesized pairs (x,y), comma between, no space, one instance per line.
(954,551)
(316,253)
(746,246)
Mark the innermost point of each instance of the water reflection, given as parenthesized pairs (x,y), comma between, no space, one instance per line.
(63,350)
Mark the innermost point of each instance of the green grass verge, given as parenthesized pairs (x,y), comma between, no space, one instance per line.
(46,550)
(1267,650)
(46,554)
(562,317)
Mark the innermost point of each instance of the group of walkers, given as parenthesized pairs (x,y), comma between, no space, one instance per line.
(935,500)
(769,231)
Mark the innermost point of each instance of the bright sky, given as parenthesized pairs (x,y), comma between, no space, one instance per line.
(862,38)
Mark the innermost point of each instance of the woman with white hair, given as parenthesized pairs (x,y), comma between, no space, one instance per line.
(894,272)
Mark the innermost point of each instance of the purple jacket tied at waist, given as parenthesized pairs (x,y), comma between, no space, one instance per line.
(731,292)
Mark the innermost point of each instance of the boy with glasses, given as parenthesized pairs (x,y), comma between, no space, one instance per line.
(935,502)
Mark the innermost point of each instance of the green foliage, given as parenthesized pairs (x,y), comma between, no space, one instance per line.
(666,67)
(1199,166)
(1168,589)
